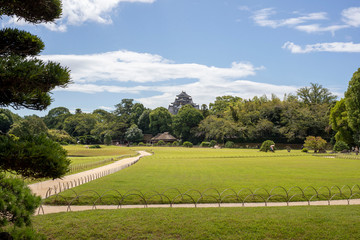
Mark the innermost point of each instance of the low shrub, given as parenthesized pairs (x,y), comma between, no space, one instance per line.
(187,144)
(205,144)
(340,146)
(160,143)
(134,144)
(229,144)
(176,143)
(304,150)
(95,146)
(141,144)
(213,143)
(266,145)
(168,144)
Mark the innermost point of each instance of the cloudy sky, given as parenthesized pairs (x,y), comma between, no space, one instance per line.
(151,50)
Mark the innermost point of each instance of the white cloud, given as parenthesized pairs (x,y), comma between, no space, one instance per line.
(349,47)
(262,18)
(77,12)
(350,18)
(146,74)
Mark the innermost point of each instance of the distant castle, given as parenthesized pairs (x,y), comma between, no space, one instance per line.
(181,100)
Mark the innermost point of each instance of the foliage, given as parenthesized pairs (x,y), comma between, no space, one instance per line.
(160,143)
(217,128)
(265,146)
(205,144)
(6,120)
(32,11)
(80,124)
(212,143)
(144,121)
(56,117)
(340,145)
(141,144)
(304,150)
(34,156)
(339,122)
(22,43)
(315,94)
(185,120)
(31,125)
(134,134)
(352,102)
(94,146)
(26,82)
(89,139)
(187,144)
(107,139)
(315,143)
(229,144)
(17,203)
(175,143)
(60,136)
(160,121)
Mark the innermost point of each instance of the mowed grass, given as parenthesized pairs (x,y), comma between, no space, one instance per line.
(201,169)
(314,222)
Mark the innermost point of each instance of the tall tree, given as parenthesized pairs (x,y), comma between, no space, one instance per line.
(160,120)
(56,117)
(339,123)
(185,121)
(315,94)
(25,82)
(352,102)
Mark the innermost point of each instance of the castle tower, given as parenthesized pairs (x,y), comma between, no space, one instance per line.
(181,100)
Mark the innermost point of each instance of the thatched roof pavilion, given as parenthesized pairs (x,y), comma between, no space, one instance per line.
(166,137)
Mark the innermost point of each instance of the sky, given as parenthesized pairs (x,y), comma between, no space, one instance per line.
(151,50)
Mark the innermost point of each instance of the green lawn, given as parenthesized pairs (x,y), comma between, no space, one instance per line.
(201,169)
(323,222)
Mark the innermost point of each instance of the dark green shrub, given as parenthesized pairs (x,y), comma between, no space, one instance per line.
(187,144)
(161,143)
(95,146)
(229,144)
(175,144)
(141,144)
(213,143)
(168,144)
(340,146)
(266,145)
(107,139)
(64,143)
(205,144)
(304,150)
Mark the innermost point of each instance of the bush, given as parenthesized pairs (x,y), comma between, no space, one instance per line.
(213,143)
(229,144)
(175,144)
(17,203)
(36,156)
(141,144)
(315,143)
(160,143)
(340,146)
(134,144)
(168,144)
(205,144)
(187,144)
(107,139)
(95,146)
(64,143)
(304,150)
(265,146)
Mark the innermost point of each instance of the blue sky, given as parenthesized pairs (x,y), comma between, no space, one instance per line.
(151,50)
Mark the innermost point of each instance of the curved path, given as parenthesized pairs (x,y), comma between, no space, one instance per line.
(41,188)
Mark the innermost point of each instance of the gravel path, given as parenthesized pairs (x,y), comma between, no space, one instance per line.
(42,188)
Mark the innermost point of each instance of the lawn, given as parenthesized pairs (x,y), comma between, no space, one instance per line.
(315,222)
(176,170)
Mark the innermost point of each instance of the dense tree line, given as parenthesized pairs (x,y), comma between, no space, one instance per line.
(287,120)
